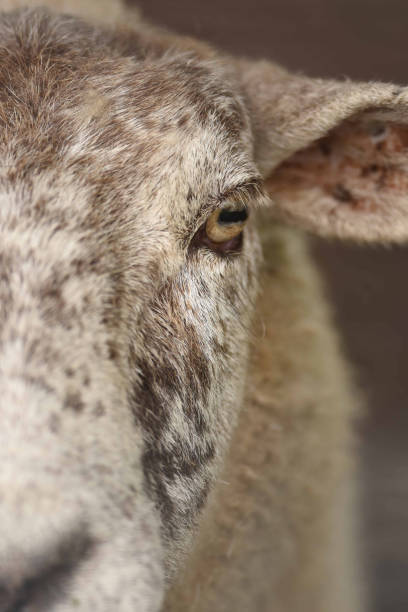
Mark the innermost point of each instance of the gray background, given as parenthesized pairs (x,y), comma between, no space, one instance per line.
(363,39)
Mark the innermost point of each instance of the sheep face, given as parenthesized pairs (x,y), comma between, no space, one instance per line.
(124,314)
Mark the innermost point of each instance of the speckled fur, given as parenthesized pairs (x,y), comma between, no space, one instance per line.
(129,354)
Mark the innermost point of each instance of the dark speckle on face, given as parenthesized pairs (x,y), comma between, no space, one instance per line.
(99,410)
(73,401)
(54,423)
(112,351)
(190,195)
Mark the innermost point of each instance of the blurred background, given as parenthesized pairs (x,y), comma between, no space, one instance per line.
(362,39)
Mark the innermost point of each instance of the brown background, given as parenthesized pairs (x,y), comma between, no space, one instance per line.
(363,39)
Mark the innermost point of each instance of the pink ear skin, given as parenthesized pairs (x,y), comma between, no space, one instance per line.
(353,165)
(353,183)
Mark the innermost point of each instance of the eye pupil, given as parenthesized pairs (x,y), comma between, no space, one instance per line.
(232,216)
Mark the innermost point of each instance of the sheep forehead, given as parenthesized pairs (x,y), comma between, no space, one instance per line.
(167,130)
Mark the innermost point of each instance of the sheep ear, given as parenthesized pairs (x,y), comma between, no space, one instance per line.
(334,154)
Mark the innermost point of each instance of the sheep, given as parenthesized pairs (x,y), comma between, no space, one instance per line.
(176,412)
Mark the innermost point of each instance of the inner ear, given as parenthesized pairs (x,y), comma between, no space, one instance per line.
(354,165)
(352,183)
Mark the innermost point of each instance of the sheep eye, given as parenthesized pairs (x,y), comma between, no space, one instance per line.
(222,232)
(226,224)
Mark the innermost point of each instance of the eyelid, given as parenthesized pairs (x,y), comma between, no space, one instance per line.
(250,193)
(215,205)
(251,190)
